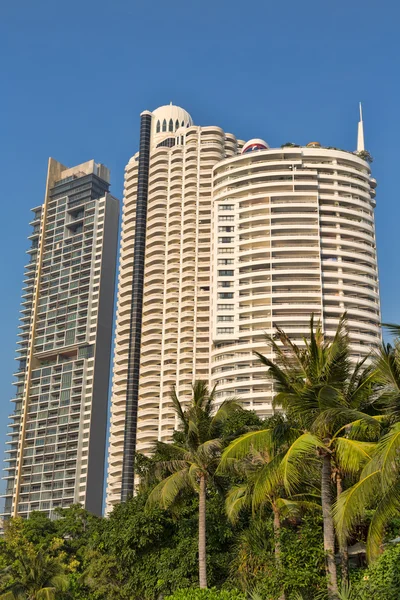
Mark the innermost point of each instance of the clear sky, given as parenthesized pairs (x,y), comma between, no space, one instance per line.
(75,76)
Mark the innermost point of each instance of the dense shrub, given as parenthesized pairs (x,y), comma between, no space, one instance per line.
(212,594)
(381,581)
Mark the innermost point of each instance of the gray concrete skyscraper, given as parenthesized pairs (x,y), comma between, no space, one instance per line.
(57,432)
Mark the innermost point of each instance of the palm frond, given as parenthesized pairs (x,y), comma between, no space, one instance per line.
(392,328)
(352,455)
(240,447)
(387,453)
(227,408)
(166,492)
(267,481)
(303,448)
(238,498)
(353,503)
(178,408)
(388,507)
(290,508)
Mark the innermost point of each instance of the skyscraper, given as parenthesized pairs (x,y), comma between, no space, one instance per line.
(162,330)
(221,242)
(294,234)
(56,442)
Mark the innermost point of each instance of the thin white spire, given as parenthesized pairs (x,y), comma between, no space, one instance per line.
(360,136)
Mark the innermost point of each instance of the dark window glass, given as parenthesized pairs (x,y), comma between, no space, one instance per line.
(177,124)
(183,123)
(158,128)
(171,125)
(164,125)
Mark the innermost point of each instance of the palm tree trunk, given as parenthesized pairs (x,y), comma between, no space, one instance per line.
(343,549)
(277,535)
(329,532)
(202,533)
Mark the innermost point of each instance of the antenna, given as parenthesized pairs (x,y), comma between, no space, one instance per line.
(360,136)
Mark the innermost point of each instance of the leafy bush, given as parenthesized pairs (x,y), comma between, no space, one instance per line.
(382,579)
(211,594)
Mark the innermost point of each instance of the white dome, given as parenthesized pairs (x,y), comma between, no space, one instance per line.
(254,144)
(168,119)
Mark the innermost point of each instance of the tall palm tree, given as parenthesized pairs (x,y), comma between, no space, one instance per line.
(33,576)
(193,463)
(262,484)
(319,387)
(379,484)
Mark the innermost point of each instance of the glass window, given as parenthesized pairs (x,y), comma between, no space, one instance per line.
(177,124)
(171,125)
(183,124)
(225,272)
(225,330)
(164,125)
(158,128)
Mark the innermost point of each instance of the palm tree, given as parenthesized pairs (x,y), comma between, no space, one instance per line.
(257,456)
(379,484)
(193,463)
(320,389)
(33,576)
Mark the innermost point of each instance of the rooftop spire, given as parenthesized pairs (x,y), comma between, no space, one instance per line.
(360,136)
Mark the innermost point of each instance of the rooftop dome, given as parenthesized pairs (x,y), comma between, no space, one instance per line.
(254,144)
(169,118)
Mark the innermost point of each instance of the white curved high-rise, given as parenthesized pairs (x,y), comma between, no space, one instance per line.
(175,332)
(294,234)
(222,242)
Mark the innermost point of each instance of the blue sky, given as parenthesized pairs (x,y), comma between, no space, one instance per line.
(75,76)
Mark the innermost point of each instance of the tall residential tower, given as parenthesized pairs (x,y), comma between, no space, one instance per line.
(162,330)
(293,234)
(57,437)
(221,243)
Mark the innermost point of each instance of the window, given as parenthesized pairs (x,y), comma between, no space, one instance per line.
(226,218)
(225,296)
(171,125)
(164,125)
(226,229)
(225,329)
(226,318)
(177,124)
(225,240)
(225,261)
(225,283)
(86,352)
(225,273)
(66,380)
(225,307)
(183,124)
(158,128)
(225,207)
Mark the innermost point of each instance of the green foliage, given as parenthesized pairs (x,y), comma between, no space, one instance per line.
(381,580)
(211,594)
(266,473)
(365,155)
(302,566)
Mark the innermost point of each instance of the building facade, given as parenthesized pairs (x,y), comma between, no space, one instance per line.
(294,234)
(163,314)
(221,243)
(57,432)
